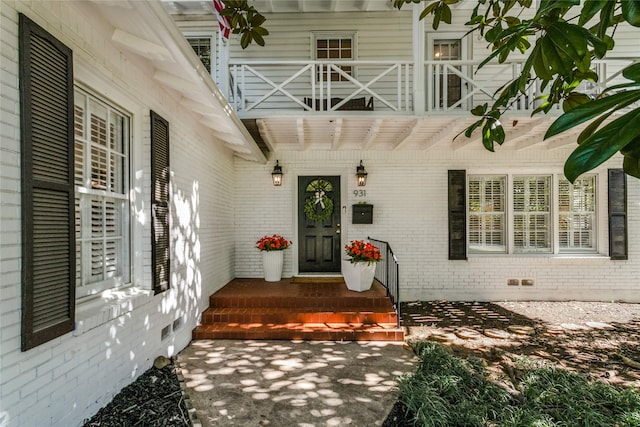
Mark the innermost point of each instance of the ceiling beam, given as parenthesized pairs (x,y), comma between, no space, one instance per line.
(407,135)
(372,133)
(267,137)
(337,132)
(300,128)
(447,131)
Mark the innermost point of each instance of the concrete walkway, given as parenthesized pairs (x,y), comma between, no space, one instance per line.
(285,383)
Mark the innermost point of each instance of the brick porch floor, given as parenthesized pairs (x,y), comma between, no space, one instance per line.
(299,308)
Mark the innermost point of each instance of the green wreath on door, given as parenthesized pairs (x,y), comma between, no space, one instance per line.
(320,188)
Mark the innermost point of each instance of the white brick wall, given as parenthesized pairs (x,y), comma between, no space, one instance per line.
(409,194)
(66,380)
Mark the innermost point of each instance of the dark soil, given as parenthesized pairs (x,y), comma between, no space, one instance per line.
(154,399)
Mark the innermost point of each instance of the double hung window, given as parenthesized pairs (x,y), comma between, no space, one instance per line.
(101,195)
(528,214)
(334,47)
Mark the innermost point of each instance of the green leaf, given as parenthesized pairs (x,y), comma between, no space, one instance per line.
(591,128)
(631,162)
(492,34)
(603,144)
(479,110)
(632,72)
(258,38)
(631,166)
(569,39)
(428,10)
(539,65)
(498,132)
(245,39)
(469,131)
(574,100)
(590,110)
(589,10)
(487,141)
(631,12)
(446,13)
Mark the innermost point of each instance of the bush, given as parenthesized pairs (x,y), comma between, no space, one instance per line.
(449,391)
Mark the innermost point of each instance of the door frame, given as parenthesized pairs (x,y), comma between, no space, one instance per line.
(344,197)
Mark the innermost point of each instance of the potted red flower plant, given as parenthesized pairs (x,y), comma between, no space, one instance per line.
(360,271)
(272,248)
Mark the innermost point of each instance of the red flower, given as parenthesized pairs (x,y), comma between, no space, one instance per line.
(360,251)
(273,243)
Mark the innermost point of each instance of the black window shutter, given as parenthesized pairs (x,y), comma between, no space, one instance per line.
(48,237)
(160,202)
(457,183)
(617,214)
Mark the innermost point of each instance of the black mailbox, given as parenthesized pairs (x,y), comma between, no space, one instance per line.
(362,214)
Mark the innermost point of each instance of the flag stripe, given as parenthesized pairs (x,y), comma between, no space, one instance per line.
(223,21)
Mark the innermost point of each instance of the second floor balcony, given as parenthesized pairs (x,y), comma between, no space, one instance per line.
(264,88)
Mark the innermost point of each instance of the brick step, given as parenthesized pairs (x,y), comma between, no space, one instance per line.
(305,315)
(302,302)
(301,331)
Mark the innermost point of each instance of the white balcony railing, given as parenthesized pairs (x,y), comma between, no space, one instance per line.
(307,85)
(262,88)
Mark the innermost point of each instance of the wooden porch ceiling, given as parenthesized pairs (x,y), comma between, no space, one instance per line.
(345,132)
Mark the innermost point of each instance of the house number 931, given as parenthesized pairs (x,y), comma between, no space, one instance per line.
(360,193)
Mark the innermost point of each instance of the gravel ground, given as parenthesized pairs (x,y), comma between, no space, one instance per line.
(592,338)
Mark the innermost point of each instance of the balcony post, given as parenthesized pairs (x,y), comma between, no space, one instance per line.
(418,36)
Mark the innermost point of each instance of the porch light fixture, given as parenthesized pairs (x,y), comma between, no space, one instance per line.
(361,175)
(276,175)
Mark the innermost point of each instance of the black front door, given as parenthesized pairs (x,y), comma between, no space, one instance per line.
(319,224)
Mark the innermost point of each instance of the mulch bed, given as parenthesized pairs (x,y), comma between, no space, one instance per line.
(154,399)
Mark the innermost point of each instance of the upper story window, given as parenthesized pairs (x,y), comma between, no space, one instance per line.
(202,47)
(101,195)
(515,214)
(335,47)
(450,84)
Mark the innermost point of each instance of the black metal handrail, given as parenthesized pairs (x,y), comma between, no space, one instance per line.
(387,273)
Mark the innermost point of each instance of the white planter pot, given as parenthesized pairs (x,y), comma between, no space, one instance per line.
(272,265)
(358,276)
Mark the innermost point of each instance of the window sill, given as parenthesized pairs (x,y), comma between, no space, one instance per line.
(110,305)
(549,256)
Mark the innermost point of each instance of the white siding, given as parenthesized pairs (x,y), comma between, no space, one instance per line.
(66,380)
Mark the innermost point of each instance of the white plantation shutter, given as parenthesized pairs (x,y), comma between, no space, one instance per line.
(532,214)
(102,231)
(577,214)
(487,214)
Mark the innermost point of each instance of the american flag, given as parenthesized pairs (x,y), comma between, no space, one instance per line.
(223,21)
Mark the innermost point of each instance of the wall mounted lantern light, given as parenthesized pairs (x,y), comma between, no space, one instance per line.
(361,175)
(276,175)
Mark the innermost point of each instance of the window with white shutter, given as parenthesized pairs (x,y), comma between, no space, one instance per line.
(577,214)
(532,214)
(102,202)
(486,221)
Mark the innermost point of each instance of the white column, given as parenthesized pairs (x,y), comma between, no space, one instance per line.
(223,66)
(418,42)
